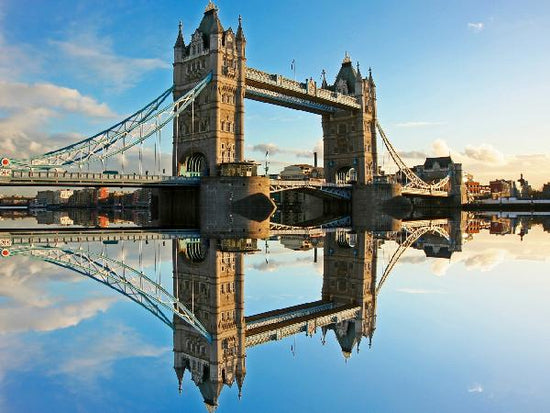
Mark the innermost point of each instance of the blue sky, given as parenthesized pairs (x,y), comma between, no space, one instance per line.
(462,77)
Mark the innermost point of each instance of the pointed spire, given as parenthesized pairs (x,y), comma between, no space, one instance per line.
(324,85)
(359,77)
(240,34)
(179,41)
(179,373)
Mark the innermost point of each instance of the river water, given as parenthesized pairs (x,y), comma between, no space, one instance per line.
(437,316)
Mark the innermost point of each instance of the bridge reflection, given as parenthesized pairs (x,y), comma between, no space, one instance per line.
(205,304)
(211,283)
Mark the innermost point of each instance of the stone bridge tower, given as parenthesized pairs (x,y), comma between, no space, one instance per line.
(349,136)
(209,281)
(350,278)
(212,131)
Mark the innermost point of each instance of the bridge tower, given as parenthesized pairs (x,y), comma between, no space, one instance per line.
(349,136)
(212,131)
(350,278)
(209,280)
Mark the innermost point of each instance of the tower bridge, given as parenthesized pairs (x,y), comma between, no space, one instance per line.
(211,80)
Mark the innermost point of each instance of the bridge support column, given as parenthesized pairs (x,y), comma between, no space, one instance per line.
(236,205)
(371,205)
(211,132)
(349,137)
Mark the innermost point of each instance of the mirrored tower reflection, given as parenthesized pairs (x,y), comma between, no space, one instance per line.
(209,281)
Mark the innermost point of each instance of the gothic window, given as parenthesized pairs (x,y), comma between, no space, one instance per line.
(194,49)
(223,125)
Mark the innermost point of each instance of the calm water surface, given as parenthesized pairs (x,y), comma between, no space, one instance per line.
(301,322)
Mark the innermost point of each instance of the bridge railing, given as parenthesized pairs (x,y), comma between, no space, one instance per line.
(88,177)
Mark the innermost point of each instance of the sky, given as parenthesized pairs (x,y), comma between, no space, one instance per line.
(465,78)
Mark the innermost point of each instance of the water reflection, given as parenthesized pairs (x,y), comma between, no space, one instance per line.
(209,282)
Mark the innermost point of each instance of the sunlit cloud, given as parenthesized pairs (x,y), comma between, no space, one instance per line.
(16,96)
(487,163)
(476,27)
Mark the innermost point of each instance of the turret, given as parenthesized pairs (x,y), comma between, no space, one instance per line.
(179,47)
(358,82)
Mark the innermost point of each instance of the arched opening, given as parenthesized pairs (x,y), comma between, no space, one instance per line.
(194,250)
(346,175)
(193,165)
(346,239)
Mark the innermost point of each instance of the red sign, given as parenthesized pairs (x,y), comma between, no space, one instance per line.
(5,252)
(5,161)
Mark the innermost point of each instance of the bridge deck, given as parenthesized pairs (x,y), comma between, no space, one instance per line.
(96,179)
(48,237)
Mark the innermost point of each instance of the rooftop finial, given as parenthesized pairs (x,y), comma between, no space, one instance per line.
(180,25)
(210,6)
(346,58)
(370,71)
(240,20)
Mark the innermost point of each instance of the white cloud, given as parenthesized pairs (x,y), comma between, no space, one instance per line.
(486,162)
(476,388)
(92,357)
(418,291)
(276,153)
(476,27)
(18,96)
(485,260)
(16,318)
(484,153)
(417,124)
(93,59)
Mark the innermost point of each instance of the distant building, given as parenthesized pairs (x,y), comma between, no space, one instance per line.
(84,198)
(501,188)
(546,190)
(435,169)
(525,189)
(477,190)
(501,226)
(103,194)
(302,171)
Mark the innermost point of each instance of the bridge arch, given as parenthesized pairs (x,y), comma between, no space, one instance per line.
(193,164)
(346,239)
(194,251)
(346,175)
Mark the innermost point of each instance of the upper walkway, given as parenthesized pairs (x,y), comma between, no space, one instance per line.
(279,90)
